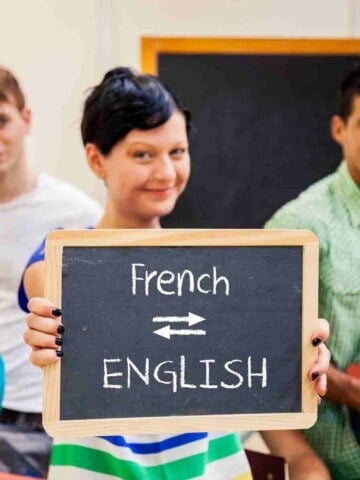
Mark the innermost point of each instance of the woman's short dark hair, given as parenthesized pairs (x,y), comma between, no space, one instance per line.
(123,101)
(348,90)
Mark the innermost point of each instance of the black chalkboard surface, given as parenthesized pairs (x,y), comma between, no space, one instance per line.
(204,325)
(261,111)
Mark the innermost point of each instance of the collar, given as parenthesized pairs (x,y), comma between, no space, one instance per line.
(349,193)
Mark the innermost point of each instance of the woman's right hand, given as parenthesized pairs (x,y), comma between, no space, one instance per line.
(43,332)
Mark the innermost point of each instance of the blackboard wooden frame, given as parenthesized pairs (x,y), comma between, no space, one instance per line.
(152,47)
(55,243)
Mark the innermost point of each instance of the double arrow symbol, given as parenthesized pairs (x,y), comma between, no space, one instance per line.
(191,319)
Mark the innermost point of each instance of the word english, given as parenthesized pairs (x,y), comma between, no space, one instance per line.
(125,373)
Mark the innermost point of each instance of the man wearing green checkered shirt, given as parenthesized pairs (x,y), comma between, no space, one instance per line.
(331,209)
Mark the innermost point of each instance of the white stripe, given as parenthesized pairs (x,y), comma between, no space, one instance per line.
(226,468)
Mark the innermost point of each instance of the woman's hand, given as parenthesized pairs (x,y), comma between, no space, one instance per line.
(318,371)
(43,332)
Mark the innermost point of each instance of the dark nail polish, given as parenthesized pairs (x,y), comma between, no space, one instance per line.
(60,329)
(59,353)
(56,312)
(58,341)
(314,375)
(316,341)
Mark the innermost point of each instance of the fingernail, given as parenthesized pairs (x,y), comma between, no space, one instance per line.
(58,341)
(316,341)
(60,329)
(59,353)
(56,312)
(314,375)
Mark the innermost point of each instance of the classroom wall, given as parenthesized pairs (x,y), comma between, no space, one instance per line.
(247,18)
(54,47)
(58,48)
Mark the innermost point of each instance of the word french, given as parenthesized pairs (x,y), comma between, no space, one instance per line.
(167,282)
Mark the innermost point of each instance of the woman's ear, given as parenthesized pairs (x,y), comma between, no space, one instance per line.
(96,160)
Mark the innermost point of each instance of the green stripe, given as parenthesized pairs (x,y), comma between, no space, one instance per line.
(105,463)
(223,447)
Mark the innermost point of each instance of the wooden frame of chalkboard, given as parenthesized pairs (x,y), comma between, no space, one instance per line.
(281,264)
(152,47)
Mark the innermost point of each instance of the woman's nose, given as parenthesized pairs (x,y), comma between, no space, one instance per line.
(165,169)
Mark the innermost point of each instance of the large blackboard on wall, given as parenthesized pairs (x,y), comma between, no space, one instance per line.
(261,115)
(162,327)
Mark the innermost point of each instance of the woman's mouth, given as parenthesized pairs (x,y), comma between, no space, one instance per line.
(160,192)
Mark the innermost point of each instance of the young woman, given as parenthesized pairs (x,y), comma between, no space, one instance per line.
(135,134)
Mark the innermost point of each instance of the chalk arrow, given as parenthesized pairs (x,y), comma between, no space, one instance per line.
(191,319)
(167,332)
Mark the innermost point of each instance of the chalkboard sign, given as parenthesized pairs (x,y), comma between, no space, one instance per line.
(209,327)
(261,111)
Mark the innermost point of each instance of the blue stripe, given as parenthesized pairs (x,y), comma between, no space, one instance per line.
(156,447)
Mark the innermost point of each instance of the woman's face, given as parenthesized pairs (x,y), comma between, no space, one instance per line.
(146,172)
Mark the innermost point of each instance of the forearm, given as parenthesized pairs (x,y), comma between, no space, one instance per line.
(303,462)
(343,389)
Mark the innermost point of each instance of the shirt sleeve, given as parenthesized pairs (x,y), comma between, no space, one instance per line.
(37,256)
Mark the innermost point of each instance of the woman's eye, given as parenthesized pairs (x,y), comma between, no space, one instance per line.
(142,155)
(178,152)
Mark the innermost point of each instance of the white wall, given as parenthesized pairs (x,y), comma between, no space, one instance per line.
(58,48)
(238,18)
(53,47)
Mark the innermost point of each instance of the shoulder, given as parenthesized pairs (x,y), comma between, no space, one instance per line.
(308,211)
(61,189)
(67,200)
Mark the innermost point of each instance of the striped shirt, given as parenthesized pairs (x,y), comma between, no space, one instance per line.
(331,209)
(150,457)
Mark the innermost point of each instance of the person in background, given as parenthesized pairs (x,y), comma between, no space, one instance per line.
(135,133)
(31,205)
(331,209)
(2,381)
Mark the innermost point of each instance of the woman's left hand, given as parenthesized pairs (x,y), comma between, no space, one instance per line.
(318,371)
